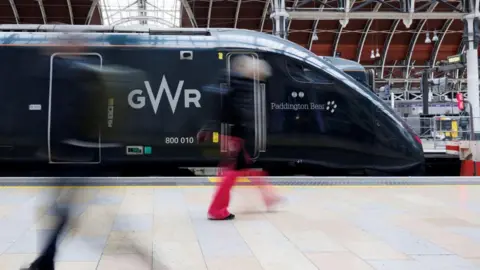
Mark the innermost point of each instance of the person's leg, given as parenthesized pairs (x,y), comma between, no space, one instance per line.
(46,260)
(257,178)
(218,209)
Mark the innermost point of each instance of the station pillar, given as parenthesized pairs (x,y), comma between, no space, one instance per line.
(279,17)
(471,41)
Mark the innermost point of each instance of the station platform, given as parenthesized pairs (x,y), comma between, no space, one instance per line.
(326,223)
(434,147)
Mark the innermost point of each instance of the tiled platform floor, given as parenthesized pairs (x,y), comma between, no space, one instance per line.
(333,228)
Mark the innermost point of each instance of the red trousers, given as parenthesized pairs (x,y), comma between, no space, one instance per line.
(219,206)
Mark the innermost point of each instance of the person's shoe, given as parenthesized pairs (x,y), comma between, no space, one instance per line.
(229,217)
(31,268)
(36,267)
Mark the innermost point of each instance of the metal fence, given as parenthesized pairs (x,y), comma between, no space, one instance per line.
(436,131)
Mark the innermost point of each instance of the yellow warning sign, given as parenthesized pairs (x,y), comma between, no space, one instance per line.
(110,102)
(220,55)
(215,137)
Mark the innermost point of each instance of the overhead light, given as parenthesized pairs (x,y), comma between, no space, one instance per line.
(314,37)
(378,54)
(427,38)
(435,37)
(372,55)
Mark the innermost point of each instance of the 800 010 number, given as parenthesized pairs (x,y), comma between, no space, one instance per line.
(179,140)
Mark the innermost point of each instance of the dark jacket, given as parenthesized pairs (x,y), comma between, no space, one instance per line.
(236,107)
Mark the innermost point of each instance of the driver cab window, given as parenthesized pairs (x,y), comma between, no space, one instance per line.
(302,73)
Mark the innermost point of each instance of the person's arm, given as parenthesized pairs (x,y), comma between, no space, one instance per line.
(218,93)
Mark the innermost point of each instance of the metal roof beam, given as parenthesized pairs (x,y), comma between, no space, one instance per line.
(209,18)
(70,11)
(141,8)
(407,6)
(438,44)
(315,25)
(90,11)
(339,32)
(362,5)
(143,18)
(365,33)
(456,8)
(264,14)
(386,47)
(42,10)
(237,13)
(307,15)
(295,3)
(190,14)
(390,76)
(413,41)
(461,49)
(426,5)
(15,11)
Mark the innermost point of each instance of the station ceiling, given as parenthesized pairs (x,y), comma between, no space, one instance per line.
(401,50)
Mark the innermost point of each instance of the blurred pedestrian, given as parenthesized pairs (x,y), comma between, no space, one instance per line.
(74,132)
(237,112)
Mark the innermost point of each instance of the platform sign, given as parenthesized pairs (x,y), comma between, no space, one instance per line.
(455,59)
(460,102)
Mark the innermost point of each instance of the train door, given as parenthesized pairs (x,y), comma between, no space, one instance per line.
(258,145)
(65,103)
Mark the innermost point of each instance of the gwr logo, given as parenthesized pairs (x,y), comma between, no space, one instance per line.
(136,99)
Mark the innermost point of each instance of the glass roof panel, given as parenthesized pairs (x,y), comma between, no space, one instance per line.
(160,13)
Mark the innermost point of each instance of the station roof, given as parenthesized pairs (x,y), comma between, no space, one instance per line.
(401,50)
(397,45)
(49,11)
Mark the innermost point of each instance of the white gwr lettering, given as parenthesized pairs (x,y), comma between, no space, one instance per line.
(136,99)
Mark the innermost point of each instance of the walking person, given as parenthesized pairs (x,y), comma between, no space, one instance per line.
(66,126)
(237,111)
(74,135)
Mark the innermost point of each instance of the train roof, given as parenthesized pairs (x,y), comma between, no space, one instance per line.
(146,35)
(154,36)
(344,64)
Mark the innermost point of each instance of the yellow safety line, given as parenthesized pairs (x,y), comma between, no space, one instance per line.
(218,179)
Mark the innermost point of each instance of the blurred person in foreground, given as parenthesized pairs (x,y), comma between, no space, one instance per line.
(74,134)
(237,111)
(65,129)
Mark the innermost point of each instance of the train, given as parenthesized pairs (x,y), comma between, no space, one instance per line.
(311,117)
(355,70)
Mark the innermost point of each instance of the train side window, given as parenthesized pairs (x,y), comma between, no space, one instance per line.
(304,74)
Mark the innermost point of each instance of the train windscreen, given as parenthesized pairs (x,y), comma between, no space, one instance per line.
(359,76)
